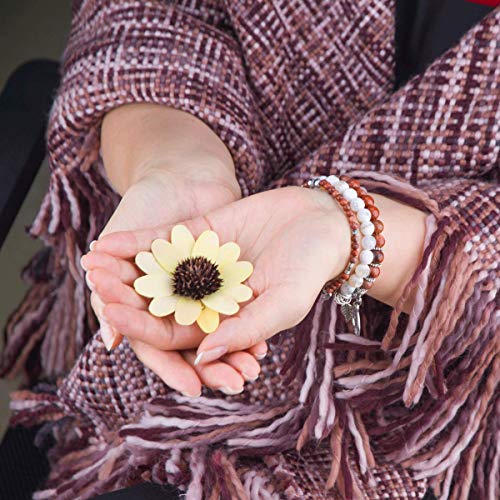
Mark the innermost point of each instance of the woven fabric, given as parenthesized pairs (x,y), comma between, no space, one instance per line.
(294,88)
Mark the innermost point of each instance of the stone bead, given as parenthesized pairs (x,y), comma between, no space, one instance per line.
(378,256)
(364,215)
(368,242)
(346,289)
(355,281)
(374,272)
(380,240)
(366,257)
(357,204)
(341,186)
(367,199)
(373,210)
(350,194)
(367,228)
(367,284)
(354,183)
(332,179)
(379,226)
(363,270)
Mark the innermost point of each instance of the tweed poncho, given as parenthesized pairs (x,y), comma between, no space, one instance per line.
(294,88)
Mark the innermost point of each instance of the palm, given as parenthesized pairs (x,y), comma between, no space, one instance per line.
(165,198)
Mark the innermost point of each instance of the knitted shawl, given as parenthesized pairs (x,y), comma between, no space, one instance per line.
(294,88)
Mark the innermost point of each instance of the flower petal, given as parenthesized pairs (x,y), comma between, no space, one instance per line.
(187,311)
(235,273)
(228,253)
(240,293)
(183,240)
(166,254)
(222,303)
(163,306)
(208,320)
(207,245)
(148,264)
(154,285)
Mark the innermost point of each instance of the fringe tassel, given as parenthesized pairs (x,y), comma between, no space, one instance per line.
(48,330)
(356,391)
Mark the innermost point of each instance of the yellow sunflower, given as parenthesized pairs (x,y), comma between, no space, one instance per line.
(196,280)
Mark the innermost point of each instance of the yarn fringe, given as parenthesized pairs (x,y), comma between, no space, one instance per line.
(418,390)
(48,330)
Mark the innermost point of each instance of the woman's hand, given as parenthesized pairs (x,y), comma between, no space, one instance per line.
(168,166)
(296,239)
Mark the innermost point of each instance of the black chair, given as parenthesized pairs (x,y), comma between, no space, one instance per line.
(424,30)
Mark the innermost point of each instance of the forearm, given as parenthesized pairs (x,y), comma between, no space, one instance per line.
(404,233)
(139,138)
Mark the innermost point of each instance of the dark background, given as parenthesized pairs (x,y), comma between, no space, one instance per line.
(29,29)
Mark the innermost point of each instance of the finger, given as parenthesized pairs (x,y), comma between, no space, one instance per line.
(267,315)
(111,289)
(127,244)
(244,363)
(170,366)
(259,351)
(218,375)
(109,335)
(125,270)
(159,332)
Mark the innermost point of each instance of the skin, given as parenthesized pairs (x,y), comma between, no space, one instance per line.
(296,239)
(168,166)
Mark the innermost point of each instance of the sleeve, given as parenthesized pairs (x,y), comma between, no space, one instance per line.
(435,145)
(181,54)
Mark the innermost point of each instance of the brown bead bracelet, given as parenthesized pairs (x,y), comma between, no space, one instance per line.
(347,289)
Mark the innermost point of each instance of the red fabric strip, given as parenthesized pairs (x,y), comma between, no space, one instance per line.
(491,3)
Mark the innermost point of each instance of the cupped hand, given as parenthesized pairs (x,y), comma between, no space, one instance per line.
(296,238)
(112,280)
(168,165)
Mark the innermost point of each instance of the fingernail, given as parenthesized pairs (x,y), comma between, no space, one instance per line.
(82,263)
(99,307)
(187,394)
(248,378)
(92,244)
(108,336)
(90,283)
(261,356)
(210,355)
(229,391)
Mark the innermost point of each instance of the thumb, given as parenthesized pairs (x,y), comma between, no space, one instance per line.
(267,315)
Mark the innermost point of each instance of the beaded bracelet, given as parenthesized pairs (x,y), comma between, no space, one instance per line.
(347,289)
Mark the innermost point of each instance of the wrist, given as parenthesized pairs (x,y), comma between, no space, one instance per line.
(336,227)
(138,139)
(193,168)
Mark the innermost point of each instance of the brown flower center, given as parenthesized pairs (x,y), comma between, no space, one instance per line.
(196,277)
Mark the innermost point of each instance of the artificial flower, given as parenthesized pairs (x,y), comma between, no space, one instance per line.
(195,280)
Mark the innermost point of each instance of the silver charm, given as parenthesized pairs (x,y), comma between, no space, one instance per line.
(349,306)
(354,313)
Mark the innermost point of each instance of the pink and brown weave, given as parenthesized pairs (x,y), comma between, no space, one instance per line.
(295,89)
